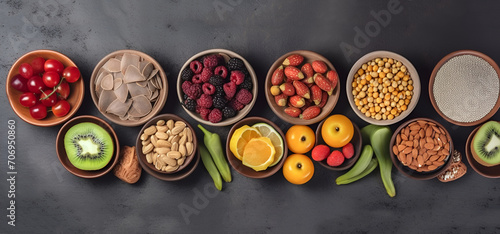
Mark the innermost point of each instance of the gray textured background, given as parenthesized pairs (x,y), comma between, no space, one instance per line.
(50,199)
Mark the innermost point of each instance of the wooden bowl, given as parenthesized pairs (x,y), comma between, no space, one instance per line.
(470,102)
(226,54)
(413,74)
(75,98)
(157,105)
(357,142)
(489,172)
(238,165)
(309,57)
(63,157)
(142,157)
(413,173)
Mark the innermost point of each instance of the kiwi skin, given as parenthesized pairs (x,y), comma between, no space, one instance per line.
(88,146)
(486,144)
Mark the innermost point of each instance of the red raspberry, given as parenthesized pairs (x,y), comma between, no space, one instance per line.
(348,150)
(229,89)
(208,88)
(204,112)
(210,61)
(221,71)
(237,77)
(236,105)
(194,91)
(197,79)
(186,85)
(196,66)
(206,73)
(244,96)
(215,115)
(335,159)
(204,101)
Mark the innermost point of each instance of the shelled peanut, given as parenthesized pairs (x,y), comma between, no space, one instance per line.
(167,144)
(422,146)
(303,92)
(382,88)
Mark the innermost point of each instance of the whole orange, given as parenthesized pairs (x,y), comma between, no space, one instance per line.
(298,169)
(337,130)
(300,139)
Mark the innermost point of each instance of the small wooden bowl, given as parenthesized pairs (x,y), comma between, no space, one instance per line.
(238,165)
(157,106)
(357,142)
(489,172)
(309,56)
(63,157)
(432,79)
(75,98)
(243,112)
(142,157)
(413,74)
(410,172)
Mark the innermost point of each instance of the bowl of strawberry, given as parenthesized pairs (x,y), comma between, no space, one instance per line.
(338,143)
(217,87)
(44,88)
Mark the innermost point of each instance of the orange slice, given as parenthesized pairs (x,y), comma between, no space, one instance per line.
(259,153)
(240,138)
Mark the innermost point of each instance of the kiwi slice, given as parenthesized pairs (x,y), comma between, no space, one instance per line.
(89,146)
(486,144)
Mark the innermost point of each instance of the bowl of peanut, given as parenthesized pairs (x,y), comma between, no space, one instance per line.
(421,148)
(383,87)
(166,144)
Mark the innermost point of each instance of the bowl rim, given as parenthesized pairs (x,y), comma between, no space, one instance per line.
(432,79)
(138,144)
(480,169)
(332,99)
(414,76)
(157,106)
(410,172)
(348,163)
(243,112)
(78,85)
(237,165)
(81,173)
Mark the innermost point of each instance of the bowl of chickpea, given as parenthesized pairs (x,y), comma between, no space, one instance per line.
(383,87)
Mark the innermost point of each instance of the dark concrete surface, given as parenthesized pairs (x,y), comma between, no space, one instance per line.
(51,200)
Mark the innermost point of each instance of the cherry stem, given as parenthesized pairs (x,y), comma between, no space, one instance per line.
(53,90)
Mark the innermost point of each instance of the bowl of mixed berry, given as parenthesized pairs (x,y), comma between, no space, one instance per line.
(217,87)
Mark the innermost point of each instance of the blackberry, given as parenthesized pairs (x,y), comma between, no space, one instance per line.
(216,80)
(187,74)
(228,112)
(247,84)
(235,64)
(190,104)
(219,102)
(219,91)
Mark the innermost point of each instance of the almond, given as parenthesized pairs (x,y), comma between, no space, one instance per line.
(293,73)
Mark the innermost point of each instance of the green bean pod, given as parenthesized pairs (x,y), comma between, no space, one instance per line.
(210,166)
(371,166)
(360,166)
(214,146)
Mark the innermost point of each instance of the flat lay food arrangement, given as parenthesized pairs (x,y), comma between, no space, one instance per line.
(218,87)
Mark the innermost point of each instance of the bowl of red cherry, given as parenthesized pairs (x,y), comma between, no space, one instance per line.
(44,88)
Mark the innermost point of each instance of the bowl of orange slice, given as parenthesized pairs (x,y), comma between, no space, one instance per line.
(256,148)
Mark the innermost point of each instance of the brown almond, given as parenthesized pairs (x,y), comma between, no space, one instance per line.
(414,127)
(401,147)
(433,158)
(404,137)
(409,159)
(432,167)
(398,139)
(414,153)
(429,146)
(420,160)
(408,143)
(428,131)
(407,150)
(402,158)
(421,133)
(395,150)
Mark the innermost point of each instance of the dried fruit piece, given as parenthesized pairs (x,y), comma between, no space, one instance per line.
(319,66)
(287,89)
(293,60)
(301,89)
(310,113)
(293,111)
(297,101)
(323,83)
(293,73)
(281,99)
(278,76)
(316,94)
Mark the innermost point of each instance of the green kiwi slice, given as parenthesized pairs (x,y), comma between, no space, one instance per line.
(486,144)
(89,146)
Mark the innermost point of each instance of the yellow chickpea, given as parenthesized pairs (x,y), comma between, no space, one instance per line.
(381,74)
